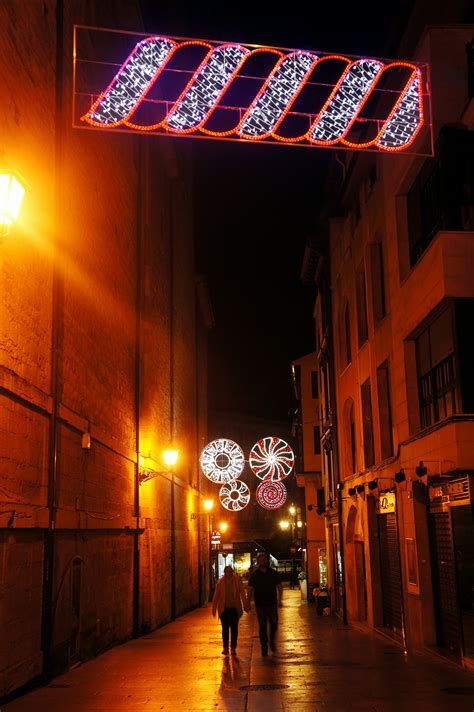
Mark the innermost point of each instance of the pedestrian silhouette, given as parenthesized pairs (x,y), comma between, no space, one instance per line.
(265,587)
(229,601)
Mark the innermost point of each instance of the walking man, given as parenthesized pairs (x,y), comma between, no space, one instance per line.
(265,587)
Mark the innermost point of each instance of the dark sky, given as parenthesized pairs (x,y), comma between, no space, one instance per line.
(256,204)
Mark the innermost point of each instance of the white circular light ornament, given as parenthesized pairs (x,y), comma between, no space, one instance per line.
(222,460)
(234,496)
(271,458)
(271,495)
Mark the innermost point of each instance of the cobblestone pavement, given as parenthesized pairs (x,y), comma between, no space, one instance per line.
(320,665)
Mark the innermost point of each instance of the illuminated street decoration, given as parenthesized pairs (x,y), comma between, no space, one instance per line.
(131,83)
(274,99)
(345,102)
(271,495)
(205,89)
(227,90)
(234,496)
(271,459)
(222,460)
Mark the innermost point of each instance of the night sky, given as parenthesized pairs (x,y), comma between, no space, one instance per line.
(256,204)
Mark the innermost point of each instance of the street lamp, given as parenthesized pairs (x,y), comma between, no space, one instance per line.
(12,190)
(148,472)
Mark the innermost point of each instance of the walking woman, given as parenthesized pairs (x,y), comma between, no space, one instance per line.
(229,601)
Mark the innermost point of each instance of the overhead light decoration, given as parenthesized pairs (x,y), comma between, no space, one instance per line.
(291,100)
(271,458)
(271,495)
(234,496)
(275,98)
(222,460)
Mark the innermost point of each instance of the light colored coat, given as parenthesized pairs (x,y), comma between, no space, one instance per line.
(218,600)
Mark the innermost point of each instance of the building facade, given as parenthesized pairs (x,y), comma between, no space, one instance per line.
(401,250)
(102,366)
(307,426)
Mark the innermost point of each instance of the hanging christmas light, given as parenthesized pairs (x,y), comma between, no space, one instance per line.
(271,495)
(234,496)
(271,458)
(204,107)
(222,460)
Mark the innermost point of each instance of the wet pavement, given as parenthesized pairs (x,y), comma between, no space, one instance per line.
(320,665)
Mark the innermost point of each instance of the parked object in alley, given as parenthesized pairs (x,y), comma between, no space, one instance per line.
(229,601)
(265,586)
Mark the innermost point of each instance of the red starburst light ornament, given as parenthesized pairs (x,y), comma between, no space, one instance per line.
(271,458)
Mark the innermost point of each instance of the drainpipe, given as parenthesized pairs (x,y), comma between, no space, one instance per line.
(141,188)
(171,336)
(47,617)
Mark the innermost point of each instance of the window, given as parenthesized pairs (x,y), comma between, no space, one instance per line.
(436,370)
(385,411)
(317,440)
(442,195)
(352,439)
(378,286)
(367,424)
(346,340)
(314,385)
(362,331)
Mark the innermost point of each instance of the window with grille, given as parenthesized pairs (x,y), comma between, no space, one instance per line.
(436,369)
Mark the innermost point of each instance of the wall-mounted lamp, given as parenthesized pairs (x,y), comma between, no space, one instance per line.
(223,527)
(12,190)
(400,476)
(284,524)
(421,469)
(208,505)
(147,472)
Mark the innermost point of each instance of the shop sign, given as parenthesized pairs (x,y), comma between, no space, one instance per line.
(386,503)
(216,538)
(456,492)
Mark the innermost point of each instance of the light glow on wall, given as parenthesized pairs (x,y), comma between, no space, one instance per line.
(208,89)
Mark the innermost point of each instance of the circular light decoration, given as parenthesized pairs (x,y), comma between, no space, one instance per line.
(271,459)
(271,495)
(234,495)
(222,460)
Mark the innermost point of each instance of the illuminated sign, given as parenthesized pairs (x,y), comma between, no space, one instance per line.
(385,503)
(207,89)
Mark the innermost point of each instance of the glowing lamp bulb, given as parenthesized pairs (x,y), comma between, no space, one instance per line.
(292,511)
(170,457)
(208,504)
(284,524)
(11,196)
(223,526)
(299,523)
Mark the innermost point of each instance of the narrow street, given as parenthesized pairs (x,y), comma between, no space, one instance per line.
(319,665)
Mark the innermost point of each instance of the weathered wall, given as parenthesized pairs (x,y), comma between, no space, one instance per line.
(97,337)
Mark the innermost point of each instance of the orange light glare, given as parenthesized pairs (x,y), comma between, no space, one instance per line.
(223,526)
(170,457)
(208,504)
(11,197)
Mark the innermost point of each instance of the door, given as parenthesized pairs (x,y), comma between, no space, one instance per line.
(392,605)
(443,567)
